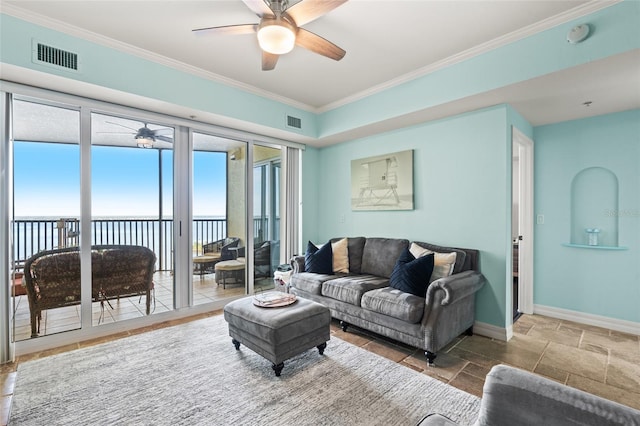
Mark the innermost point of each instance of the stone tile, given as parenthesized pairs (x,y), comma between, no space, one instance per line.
(521,351)
(394,353)
(7,383)
(446,366)
(612,393)
(353,338)
(629,336)
(621,346)
(468,383)
(566,336)
(539,321)
(556,374)
(522,328)
(473,357)
(476,370)
(574,360)
(411,366)
(623,374)
(591,328)
(594,348)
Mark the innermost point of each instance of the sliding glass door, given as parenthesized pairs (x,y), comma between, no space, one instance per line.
(132,205)
(266,214)
(46,178)
(219,217)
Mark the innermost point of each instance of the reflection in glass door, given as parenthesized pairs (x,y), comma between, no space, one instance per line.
(219,218)
(266,214)
(132,218)
(46,176)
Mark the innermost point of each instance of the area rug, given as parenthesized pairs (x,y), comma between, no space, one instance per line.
(191,374)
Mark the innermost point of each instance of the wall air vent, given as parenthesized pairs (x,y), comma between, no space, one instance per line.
(294,122)
(54,57)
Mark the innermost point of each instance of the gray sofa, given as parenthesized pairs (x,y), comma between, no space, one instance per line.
(516,397)
(362,297)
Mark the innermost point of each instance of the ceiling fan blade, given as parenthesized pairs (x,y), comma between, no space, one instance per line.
(259,7)
(164,138)
(269,61)
(319,45)
(228,29)
(116,133)
(309,10)
(163,131)
(121,125)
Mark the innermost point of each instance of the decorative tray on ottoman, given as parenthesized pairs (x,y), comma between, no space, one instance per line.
(273,299)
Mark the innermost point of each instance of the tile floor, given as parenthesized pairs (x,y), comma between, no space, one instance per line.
(600,361)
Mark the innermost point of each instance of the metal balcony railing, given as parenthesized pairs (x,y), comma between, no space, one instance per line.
(31,236)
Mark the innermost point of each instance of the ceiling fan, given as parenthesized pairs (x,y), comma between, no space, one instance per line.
(279,29)
(144,136)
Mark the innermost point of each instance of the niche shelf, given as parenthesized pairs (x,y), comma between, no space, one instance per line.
(586,246)
(594,204)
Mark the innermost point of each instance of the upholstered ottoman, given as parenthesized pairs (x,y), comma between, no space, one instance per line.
(278,333)
(230,269)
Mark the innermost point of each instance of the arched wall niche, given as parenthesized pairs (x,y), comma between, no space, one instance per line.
(594,203)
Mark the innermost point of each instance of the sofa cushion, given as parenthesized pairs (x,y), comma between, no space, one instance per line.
(412,275)
(310,282)
(380,255)
(355,247)
(394,303)
(350,289)
(340,250)
(443,264)
(461,256)
(318,260)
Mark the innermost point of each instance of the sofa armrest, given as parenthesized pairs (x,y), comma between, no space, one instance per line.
(455,287)
(297,264)
(512,396)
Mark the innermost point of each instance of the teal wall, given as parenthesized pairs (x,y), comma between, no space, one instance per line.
(461,199)
(599,282)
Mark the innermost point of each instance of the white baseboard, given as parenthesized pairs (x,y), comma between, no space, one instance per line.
(493,331)
(589,319)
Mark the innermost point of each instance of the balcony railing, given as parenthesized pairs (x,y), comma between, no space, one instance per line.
(31,236)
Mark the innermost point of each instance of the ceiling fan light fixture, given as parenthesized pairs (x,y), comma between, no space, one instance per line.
(276,36)
(144,142)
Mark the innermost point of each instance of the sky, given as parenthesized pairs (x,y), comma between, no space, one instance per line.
(124,181)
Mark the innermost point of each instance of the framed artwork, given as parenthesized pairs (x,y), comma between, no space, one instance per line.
(383,182)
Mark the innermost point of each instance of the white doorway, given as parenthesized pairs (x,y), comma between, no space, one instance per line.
(522,224)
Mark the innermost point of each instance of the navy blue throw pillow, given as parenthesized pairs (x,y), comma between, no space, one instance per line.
(319,261)
(412,275)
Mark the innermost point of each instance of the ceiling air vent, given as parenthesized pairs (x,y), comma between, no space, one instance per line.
(52,56)
(294,122)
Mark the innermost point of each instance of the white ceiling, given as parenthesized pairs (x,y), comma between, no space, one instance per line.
(387,42)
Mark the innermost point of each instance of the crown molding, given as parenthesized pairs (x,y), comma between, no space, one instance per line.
(554,21)
(90,36)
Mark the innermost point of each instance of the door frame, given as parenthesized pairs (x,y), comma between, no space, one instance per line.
(524,147)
